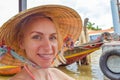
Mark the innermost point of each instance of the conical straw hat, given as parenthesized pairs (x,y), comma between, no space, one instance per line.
(68,20)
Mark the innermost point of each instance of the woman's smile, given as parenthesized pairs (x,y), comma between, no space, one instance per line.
(45,56)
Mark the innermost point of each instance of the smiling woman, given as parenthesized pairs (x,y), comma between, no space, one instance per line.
(35,41)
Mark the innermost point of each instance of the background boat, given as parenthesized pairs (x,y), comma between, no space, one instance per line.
(9,70)
(79,52)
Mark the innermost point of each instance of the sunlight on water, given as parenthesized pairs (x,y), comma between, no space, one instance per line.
(4,77)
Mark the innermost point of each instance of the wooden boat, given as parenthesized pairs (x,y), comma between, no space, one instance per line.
(80,52)
(9,70)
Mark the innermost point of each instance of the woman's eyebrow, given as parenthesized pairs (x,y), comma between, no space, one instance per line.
(54,34)
(37,32)
(42,33)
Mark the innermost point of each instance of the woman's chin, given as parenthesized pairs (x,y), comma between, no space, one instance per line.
(44,63)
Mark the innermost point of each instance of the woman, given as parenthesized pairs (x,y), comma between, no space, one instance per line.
(104,37)
(34,39)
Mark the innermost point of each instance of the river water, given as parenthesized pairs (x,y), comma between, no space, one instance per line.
(86,72)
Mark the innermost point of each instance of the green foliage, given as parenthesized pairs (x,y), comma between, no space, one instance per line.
(90,26)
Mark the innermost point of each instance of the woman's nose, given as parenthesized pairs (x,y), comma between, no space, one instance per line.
(47,45)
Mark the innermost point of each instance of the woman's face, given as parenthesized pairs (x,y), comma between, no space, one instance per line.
(40,41)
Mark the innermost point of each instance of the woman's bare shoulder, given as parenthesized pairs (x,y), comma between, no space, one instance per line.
(20,76)
(61,74)
(15,78)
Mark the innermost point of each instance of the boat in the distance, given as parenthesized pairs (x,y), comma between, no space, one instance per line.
(9,70)
(81,51)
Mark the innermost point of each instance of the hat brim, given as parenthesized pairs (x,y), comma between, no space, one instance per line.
(68,20)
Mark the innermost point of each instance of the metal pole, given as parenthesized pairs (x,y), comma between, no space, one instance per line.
(85,29)
(22,5)
(118,9)
(115,16)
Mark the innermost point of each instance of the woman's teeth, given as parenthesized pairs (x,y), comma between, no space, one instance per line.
(45,56)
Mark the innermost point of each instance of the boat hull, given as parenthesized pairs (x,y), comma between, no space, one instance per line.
(78,56)
(9,70)
(78,53)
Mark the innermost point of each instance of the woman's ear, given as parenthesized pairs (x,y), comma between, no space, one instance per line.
(21,44)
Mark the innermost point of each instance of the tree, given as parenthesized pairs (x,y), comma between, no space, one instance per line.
(90,26)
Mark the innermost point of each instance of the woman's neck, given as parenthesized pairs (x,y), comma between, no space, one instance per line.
(38,73)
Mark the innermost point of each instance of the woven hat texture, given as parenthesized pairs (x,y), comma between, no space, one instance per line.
(68,21)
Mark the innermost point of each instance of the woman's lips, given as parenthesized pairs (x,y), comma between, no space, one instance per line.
(45,56)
